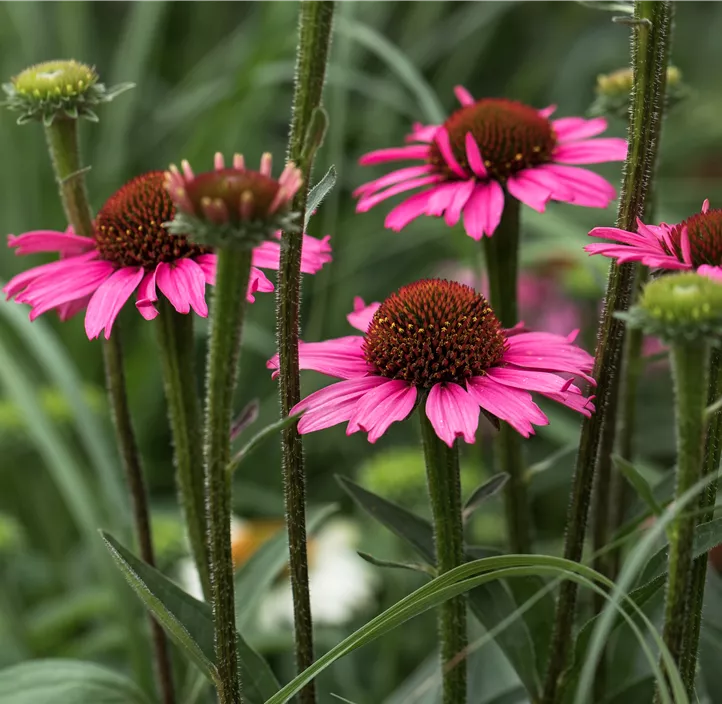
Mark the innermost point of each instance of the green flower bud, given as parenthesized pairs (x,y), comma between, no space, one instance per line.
(58,90)
(681,307)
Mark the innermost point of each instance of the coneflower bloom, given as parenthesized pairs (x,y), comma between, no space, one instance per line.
(438,343)
(695,243)
(132,251)
(489,148)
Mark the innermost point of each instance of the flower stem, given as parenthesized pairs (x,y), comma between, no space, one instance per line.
(315,24)
(442,473)
(690,366)
(650,50)
(62,139)
(229,307)
(175,340)
(708,499)
(502,267)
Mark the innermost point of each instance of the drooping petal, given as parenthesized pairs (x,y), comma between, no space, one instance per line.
(66,243)
(483,210)
(258,282)
(111,296)
(314,254)
(207,263)
(461,197)
(409,210)
(184,284)
(422,133)
(391,178)
(463,96)
(527,379)
(369,201)
(528,191)
(71,308)
(25,278)
(571,129)
(711,272)
(592,151)
(362,314)
(442,196)
(416,151)
(147,296)
(548,111)
(341,357)
(382,406)
(453,413)
(443,141)
(514,406)
(589,189)
(473,156)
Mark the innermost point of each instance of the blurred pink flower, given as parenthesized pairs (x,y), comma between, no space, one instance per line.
(489,148)
(131,250)
(439,343)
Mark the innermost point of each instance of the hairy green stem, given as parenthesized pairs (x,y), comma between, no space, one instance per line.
(690,367)
(176,345)
(62,139)
(315,26)
(650,50)
(707,501)
(442,473)
(502,267)
(229,308)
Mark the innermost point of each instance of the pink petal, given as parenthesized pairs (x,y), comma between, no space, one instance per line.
(26,278)
(588,189)
(314,254)
(545,351)
(391,178)
(444,143)
(593,151)
(570,129)
(685,246)
(526,379)
(110,297)
(711,272)
(71,308)
(367,202)
(463,96)
(462,195)
(527,191)
(483,210)
(335,404)
(705,205)
(473,155)
(514,406)
(184,284)
(207,262)
(362,314)
(453,413)
(441,197)
(147,296)
(546,112)
(574,399)
(65,243)
(342,357)
(422,133)
(258,282)
(409,210)
(395,154)
(379,408)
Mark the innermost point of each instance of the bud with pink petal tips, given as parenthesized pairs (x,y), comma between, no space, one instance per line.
(232,207)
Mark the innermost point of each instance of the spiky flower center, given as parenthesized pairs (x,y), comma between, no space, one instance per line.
(242,192)
(55,79)
(129,227)
(511,136)
(433,331)
(705,238)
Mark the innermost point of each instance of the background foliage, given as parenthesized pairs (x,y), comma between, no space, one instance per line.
(217,76)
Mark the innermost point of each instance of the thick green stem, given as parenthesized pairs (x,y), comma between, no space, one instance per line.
(690,366)
(708,499)
(502,266)
(315,25)
(442,473)
(650,50)
(229,307)
(175,341)
(62,139)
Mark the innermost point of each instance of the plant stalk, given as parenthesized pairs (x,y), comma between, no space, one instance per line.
(708,499)
(442,473)
(315,26)
(690,366)
(62,139)
(229,307)
(502,266)
(176,345)
(650,51)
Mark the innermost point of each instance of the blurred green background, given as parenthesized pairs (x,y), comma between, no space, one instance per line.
(218,76)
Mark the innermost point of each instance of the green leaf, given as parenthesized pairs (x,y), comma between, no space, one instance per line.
(485,491)
(318,194)
(189,623)
(66,682)
(414,566)
(490,603)
(259,572)
(638,482)
(315,134)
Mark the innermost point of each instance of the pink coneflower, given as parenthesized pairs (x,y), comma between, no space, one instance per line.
(695,243)
(132,250)
(439,343)
(487,148)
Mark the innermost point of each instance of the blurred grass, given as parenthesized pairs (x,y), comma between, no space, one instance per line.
(218,76)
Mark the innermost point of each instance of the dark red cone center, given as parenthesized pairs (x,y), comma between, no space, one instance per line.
(705,238)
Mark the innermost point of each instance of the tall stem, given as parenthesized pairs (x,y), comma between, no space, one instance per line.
(315,24)
(690,366)
(712,450)
(62,138)
(442,473)
(650,47)
(502,266)
(229,307)
(175,341)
